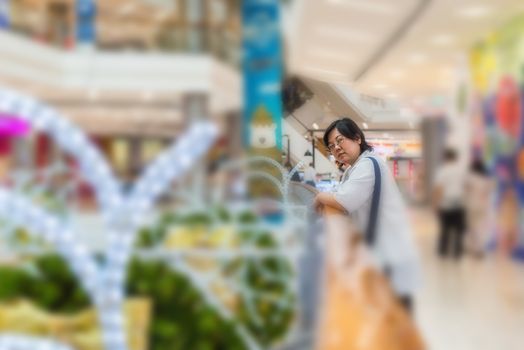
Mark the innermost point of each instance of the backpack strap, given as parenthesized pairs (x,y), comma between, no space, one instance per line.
(371,234)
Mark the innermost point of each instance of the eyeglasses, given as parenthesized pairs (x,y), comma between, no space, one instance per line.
(338,141)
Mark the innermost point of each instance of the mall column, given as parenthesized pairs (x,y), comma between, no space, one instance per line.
(85,24)
(4,14)
(196,109)
(262,67)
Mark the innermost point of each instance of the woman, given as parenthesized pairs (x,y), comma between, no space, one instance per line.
(393,248)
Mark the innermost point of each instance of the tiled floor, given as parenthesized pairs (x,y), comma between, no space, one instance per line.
(469,304)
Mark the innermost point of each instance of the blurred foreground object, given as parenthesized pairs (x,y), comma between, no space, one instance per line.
(360,310)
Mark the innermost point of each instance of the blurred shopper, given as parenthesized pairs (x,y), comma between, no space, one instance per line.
(479,189)
(392,245)
(448,199)
(310,175)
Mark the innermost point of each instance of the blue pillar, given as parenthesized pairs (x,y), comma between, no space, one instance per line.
(262,67)
(4,13)
(85,22)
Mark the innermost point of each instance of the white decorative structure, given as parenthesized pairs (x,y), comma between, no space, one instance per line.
(13,342)
(123,214)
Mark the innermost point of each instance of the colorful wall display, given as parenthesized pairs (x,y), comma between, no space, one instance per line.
(497,66)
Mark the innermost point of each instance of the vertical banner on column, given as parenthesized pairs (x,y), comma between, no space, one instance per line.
(262,65)
(85,22)
(4,13)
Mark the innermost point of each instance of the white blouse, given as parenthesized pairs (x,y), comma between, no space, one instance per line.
(394,247)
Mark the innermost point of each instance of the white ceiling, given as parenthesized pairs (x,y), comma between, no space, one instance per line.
(332,40)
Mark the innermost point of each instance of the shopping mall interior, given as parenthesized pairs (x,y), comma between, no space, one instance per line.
(161,163)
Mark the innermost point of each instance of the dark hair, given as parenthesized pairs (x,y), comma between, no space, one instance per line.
(348,128)
(450,155)
(478,167)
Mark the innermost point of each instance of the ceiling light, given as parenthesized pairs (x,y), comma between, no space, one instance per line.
(330,55)
(416,58)
(365,125)
(315,126)
(397,73)
(474,11)
(443,39)
(344,77)
(345,34)
(366,6)
(380,86)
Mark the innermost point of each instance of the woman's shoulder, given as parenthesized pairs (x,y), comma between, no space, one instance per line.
(363,167)
(367,160)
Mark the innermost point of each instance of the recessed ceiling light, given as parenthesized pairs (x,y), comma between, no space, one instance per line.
(343,76)
(474,11)
(443,39)
(380,86)
(397,73)
(345,34)
(416,58)
(315,126)
(366,6)
(329,55)
(365,125)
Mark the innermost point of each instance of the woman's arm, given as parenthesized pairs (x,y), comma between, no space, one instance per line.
(327,199)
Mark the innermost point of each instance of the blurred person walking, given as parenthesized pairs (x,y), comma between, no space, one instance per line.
(448,200)
(310,175)
(375,207)
(479,189)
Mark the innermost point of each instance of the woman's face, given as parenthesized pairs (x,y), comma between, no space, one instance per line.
(345,150)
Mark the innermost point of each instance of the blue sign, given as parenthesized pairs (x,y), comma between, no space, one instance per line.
(262,66)
(4,13)
(85,21)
